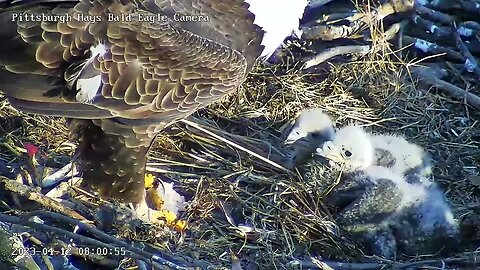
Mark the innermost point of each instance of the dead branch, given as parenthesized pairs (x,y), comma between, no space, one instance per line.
(394,29)
(427,75)
(332,52)
(438,32)
(433,15)
(472,25)
(332,32)
(359,21)
(468,260)
(432,48)
(429,31)
(332,18)
(394,6)
(466,6)
(135,253)
(11,251)
(35,196)
(471,64)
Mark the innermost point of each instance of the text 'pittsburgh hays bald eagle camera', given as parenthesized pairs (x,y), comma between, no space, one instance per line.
(120,82)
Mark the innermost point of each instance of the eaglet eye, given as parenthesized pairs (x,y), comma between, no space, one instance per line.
(347,153)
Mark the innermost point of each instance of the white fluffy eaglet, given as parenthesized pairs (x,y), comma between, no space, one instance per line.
(401,156)
(278,18)
(391,215)
(351,148)
(311,124)
(309,131)
(357,149)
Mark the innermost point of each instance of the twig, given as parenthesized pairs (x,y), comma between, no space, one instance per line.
(332,32)
(468,29)
(393,6)
(141,265)
(394,29)
(135,253)
(472,25)
(197,126)
(433,15)
(432,48)
(332,52)
(62,188)
(446,5)
(471,64)
(439,32)
(372,266)
(359,21)
(104,261)
(47,261)
(426,74)
(33,195)
(11,250)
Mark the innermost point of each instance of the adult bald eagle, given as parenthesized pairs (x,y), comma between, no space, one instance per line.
(121,79)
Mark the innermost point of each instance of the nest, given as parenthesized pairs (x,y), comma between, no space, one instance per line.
(245,208)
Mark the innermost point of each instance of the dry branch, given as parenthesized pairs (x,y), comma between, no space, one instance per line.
(433,49)
(394,6)
(394,30)
(433,15)
(472,25)
(332,52)
(468,259)
(153,260)
(426,74)
(358,21)
(441,35)
(438,32)
(471,64)
(35,196)
(331,32)
(11,254)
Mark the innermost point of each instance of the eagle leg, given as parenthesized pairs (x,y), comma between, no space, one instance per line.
(110,165)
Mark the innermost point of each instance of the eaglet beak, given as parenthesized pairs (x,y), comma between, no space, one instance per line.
(330,152)
(292,137)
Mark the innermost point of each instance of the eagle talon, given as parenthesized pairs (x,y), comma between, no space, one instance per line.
(161,204)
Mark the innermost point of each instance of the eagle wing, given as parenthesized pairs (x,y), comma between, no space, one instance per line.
(148,70)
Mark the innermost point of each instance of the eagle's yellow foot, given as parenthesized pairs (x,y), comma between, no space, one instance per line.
(149,180)
(161,204)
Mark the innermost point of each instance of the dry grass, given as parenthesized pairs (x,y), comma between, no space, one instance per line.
(231,190)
